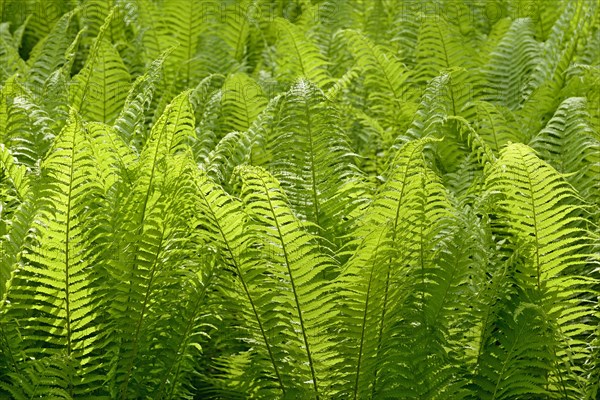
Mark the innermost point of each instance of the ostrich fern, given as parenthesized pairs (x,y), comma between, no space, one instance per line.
(299,199)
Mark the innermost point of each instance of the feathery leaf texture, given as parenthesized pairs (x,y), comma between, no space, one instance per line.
(296,199)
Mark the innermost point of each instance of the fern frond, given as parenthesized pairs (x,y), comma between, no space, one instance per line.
(149,14)
(322,21)
(440,46)
(15,190)
(313,175)
(237,21)
(119,160)
(540,209)
(288,267)
(40,20)
(511,64)
(222,217)
(237,148)
(49,54)
(242,100)
(232,150)
(55,99)
(386,80)
(100,89)
(29,129)
(93,16)
(435,106)
(568,143)
(375,280)
(150,254)
(184,24)
(516,362)
(543,17)
(305,60)
(55,283)
(10,60)
(47,377)
(14,174)
(494,124)
(559,52)
(131,121)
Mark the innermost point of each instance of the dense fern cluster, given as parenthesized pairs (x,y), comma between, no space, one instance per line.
(299,199)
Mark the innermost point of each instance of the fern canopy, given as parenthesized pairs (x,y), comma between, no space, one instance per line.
(296,199)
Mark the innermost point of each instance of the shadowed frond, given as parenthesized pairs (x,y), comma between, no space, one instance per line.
(183,24)
(568,143)
(441,46)
(131,121)
(386,80)
(511,64)
(49,54)
(539,208)
(320,172)
(241,102)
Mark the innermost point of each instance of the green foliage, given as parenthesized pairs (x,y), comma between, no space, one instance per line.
(299,199)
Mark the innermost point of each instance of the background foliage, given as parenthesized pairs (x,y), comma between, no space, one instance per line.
(299,199)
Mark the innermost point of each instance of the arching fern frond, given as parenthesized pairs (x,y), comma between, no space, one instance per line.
(568,143)
(56,281)
(440,46)
(150,220)
(315,174)
(49,53)
(15,197)
(14,176)
(10,60)
(386,80)
(222,218)
(495,125)
(183,23)
(304,61)
(543,17)
(539,208)
(511,64)
(516,362)
(286,261)
(236,22)
(385,263)
(242,100)
(100,89)
(29,129)
(131,121)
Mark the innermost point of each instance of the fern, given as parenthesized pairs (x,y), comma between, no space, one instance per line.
(242,100)
(48,55)
(304,61)
(292,265)
(385,77)
(58,273)
(389,254)
(139,262)
(185,24)
(99,91)
(511,65)
(568,143)
(543,224)
(322,169)
(131,123)
(441,46)
(256,199)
